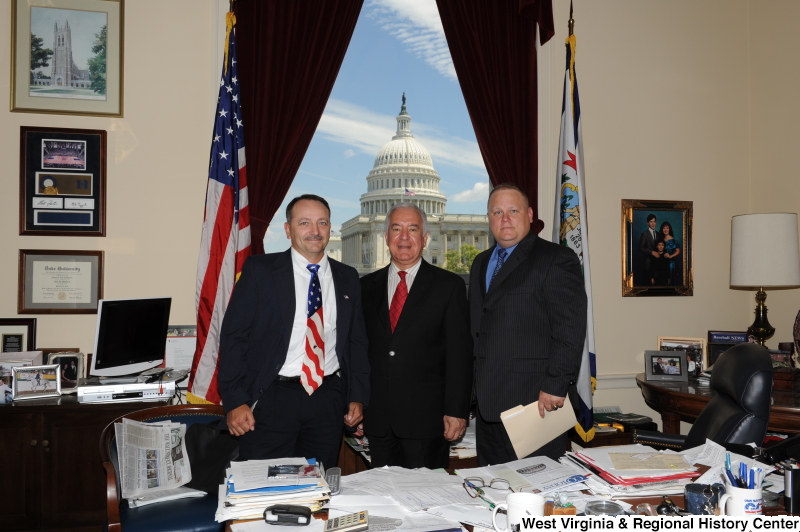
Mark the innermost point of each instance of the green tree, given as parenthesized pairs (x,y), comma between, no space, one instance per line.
(40,56)
(460,261)
(97,64)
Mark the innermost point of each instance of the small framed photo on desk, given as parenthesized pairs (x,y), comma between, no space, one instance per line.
(666,366)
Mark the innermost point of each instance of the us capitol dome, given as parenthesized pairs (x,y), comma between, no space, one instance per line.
(403,172)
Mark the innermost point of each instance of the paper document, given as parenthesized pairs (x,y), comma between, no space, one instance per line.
(625,461)
(528,431)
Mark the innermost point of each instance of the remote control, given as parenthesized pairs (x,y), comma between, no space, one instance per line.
(348,523)
(333,477)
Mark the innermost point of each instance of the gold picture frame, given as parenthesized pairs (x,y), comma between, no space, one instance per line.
(83,73)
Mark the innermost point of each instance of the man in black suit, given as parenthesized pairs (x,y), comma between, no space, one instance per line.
(292,365)
(528,318)
(420,350)
(647,247)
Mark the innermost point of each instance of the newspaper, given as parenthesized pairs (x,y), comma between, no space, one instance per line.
(152,457)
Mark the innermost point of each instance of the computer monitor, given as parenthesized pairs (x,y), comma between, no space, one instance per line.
(131,336)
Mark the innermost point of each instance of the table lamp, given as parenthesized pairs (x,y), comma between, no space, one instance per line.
(764,254)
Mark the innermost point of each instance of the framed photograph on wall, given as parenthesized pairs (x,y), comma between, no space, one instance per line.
(67,57)
(62,189)
(17,334)
(695,349)
(657,248)
(72,366)
(32,382)
(59,281)
(666,366)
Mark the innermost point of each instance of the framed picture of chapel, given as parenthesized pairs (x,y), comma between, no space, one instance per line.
(67,57)
(657,248)
(62,189)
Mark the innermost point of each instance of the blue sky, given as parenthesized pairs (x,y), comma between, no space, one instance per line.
(398,46)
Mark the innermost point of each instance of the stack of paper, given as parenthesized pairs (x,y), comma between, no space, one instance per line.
(536,475)
(254,485)
(629,470)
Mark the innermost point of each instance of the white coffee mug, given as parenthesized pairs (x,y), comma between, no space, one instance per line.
(517,506)
(739,501)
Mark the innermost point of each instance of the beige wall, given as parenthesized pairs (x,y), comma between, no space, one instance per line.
(157,166)
(681,100)
(775,132)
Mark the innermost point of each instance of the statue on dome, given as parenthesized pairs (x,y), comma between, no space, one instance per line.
(404,98)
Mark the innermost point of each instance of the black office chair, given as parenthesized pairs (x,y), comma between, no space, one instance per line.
(738,414)
(183,515)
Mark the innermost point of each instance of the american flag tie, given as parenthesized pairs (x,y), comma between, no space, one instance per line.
(313,370)
(398,299)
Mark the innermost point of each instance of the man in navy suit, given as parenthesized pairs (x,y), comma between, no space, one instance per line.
(647,247)
(293,367)
(420,350)
(528,319)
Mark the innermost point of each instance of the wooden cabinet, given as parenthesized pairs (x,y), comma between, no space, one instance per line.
(50,471)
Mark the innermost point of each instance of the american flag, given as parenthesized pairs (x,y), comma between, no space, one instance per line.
(409,193)
(225,242)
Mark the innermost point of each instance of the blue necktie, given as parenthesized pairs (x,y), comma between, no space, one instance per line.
(501,258)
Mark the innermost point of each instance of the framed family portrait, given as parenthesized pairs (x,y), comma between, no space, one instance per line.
(67,57)
(17,334)
(695,349)
(72,366)
(59,281)
(62,189)
(657,248)
(666,366)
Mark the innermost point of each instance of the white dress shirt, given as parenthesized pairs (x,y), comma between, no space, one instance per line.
(297,343)
(394,278)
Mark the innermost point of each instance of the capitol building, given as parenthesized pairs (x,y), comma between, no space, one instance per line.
(404,172)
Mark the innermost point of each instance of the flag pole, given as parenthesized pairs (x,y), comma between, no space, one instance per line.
(571,20)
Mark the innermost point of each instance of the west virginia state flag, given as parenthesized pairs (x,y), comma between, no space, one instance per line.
(570,228)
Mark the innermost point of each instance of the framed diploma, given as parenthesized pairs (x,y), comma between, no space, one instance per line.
(62,189)
(17,334)
(59,281)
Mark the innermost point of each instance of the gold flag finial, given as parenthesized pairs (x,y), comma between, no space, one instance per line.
(571,20)
(230,22)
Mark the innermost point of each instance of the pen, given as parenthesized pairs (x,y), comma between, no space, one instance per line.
(752,479)
(480,493)
(730,477)
(728,461)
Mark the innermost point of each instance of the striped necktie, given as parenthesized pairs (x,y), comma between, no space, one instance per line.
(313,370)
(398,299)
(501,259)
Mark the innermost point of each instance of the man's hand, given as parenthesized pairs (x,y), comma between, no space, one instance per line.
(656,254)
(359,431)
(240,420)
(454,428)
(549,403)
(355,415)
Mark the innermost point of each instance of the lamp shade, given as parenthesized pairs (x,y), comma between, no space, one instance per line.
(764,250)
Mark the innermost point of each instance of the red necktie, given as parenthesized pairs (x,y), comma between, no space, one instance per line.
(398,300)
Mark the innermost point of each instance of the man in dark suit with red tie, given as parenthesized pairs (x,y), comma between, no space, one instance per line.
(420,350)
(528,320)
(293,367)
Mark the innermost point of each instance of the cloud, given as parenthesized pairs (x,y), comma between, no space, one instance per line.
(416,23)
(480,192)
(349,153)
(366,132)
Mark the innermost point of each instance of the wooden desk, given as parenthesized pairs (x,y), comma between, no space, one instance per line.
(677,401)
(52,476)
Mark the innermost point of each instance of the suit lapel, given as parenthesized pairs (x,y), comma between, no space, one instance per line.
(380,298)
(518,256)
(342,298)
(484,266)
(284,286)
(421,286)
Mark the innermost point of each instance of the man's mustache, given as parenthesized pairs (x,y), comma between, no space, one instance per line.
(313,237)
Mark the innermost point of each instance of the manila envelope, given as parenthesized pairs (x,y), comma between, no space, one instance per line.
(528,431)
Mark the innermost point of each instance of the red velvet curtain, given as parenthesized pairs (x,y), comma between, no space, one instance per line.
(289,54)
(493,46)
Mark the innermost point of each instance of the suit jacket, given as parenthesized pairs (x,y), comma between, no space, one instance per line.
(423,371)
(529,328)
(258,325)
(647,244)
